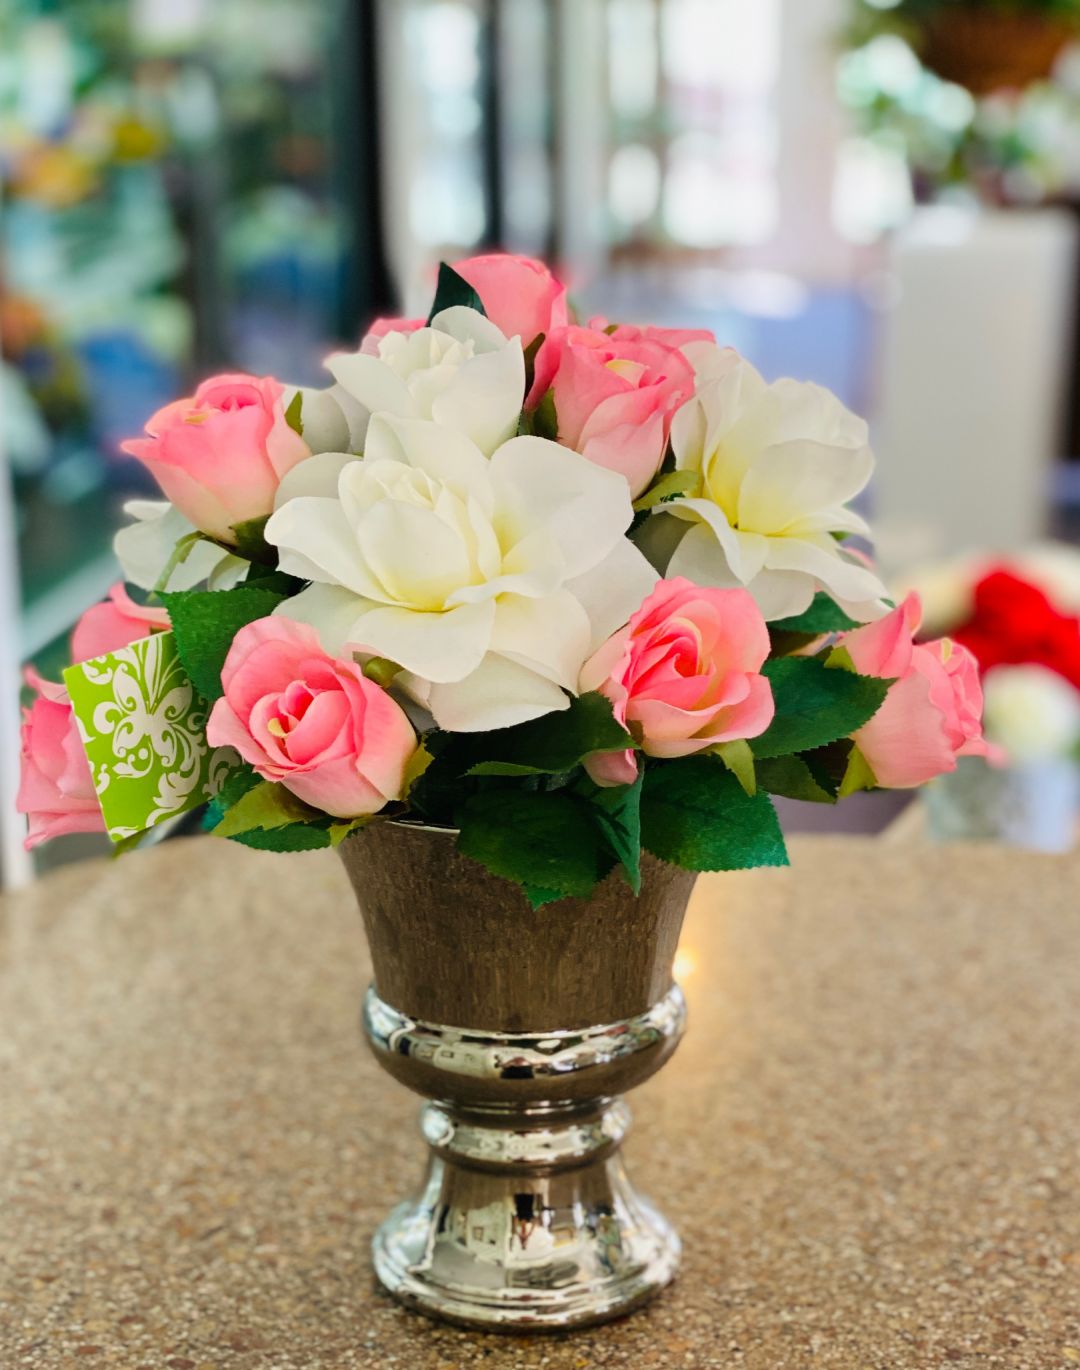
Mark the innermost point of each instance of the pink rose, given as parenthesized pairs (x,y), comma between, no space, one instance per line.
(115,623)
(311,721)
(670,337)
(56,791)
(683,675)
(933,713)
(519,294)
(219,456)
(380,328)
(614,398)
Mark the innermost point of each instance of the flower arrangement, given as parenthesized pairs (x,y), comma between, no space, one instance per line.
(573,590)
(1019,617)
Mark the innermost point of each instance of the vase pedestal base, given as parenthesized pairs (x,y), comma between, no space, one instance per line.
(526,1222)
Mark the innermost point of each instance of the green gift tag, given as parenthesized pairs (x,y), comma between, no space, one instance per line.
(143,725)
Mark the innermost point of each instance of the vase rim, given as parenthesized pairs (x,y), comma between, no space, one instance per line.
(417,826)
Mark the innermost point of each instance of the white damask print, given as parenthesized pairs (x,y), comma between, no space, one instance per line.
(144,726)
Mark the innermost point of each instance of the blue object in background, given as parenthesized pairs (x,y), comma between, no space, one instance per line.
(127,383)
(821,334)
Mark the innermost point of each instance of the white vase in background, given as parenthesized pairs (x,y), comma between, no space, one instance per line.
(1035,804)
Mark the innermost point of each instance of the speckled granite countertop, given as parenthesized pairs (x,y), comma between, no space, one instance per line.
(869,1138)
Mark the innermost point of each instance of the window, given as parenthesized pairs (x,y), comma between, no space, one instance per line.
(691,83)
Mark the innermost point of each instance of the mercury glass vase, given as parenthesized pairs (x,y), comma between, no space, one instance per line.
(521,1029)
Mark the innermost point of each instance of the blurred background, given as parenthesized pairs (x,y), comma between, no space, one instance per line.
(881,197)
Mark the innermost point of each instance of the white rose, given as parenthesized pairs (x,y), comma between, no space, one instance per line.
(489,581)
(331,420)
(145,547)
(777,466)
(1030,711)
(461,372)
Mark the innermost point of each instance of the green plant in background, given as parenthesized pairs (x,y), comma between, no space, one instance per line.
(908,17)
(960,93)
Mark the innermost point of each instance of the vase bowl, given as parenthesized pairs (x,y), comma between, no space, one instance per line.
(521,1029)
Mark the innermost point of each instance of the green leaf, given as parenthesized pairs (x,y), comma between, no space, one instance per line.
(547,842)
(695,814)
(538,898)
(823,616)
(545,419)
(828,765)
(530,360)
(504,768)
(547,746)
(381,670)
(295,837)
(617,810)
(265,806)
(739,760)
(415,768)
(858,775)
(671,486)
(452,289)
(263,577)
(206,621)
(235,785)
(251,541)
(815,705)
(338,832)
(793,778)
(541,421)
(294,413)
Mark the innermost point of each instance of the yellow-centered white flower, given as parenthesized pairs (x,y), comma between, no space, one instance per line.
(490,581)
(776,466)
(461,371)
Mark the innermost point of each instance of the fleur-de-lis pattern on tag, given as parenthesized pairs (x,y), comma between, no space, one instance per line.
(143,725)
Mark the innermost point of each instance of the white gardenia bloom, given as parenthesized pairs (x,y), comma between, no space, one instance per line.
(489,581)
(461,372)
(777,466)
(145,546)
(331,419)
(1031,712)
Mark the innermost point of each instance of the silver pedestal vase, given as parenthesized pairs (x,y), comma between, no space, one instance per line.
(521,1029)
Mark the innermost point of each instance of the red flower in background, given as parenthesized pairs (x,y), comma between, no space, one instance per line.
(1013,623)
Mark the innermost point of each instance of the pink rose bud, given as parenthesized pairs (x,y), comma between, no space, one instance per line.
(219,456)
(519,294)
(56,790)
(933,713)
(683,675)
(311,721)
(614,398)
(669,337)
(113,624)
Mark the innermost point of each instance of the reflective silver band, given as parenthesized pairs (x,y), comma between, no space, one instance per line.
(521,1056)
(549,1140)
